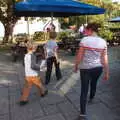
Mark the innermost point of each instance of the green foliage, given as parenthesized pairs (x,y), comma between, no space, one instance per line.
(39,36)
(73,20)
(62,35)
(7,18)
(5,48)
(106,34)
(97,18)
(18,0)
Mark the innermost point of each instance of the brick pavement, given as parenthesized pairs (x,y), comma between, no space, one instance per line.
(62,102)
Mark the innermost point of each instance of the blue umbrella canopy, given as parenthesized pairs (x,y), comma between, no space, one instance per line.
(117,19)
(56,8)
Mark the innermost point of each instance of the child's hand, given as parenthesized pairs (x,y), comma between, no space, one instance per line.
(43,65)
(75,69)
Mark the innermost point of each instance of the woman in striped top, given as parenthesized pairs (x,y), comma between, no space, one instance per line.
(92,59)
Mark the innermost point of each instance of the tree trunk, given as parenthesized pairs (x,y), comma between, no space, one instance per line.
(8,33)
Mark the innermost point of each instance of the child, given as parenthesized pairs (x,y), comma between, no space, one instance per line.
(31,75)
(52,57)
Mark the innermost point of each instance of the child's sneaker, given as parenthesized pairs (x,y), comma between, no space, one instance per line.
(22,103)
(45,93)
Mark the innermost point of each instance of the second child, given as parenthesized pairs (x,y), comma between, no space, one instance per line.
(51,50)
(31,75)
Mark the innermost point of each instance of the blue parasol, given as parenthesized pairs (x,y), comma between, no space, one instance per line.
(117,19)
(55,8)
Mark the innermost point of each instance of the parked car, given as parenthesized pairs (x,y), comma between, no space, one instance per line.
(70,44)
(20,37)
(18,51)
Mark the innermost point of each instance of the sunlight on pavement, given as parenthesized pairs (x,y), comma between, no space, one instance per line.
(70,82)
(5,82)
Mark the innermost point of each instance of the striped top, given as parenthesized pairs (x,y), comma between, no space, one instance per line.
(93,45)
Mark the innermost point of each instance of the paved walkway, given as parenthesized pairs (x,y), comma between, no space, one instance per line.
(62,102)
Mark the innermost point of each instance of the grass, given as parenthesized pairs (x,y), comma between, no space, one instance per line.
(40,42)
(5,48)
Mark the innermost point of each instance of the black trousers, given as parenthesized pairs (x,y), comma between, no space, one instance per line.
(88,76)
(50,62)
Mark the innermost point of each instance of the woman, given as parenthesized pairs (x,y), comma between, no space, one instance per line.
(51,50)
(92,56)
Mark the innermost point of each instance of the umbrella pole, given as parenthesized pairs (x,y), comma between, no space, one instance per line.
(28,31)
(52,17)
(86,20)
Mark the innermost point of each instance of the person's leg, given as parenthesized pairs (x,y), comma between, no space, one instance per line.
(36,81)
(57,69)
(49,70)
(95,74)
(26,91)
(85,77)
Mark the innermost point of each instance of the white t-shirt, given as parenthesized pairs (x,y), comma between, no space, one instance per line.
(51,47)
(93,45)
(81,29)
(28,70)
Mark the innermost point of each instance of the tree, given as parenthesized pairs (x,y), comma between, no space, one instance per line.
(112,10)
(7,18)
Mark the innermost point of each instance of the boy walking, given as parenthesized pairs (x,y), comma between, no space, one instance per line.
(51,50)
(31,75)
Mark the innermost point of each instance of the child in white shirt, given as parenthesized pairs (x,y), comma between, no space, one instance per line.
(31,75)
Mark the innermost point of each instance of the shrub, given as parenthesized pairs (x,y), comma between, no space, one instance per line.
(39,36)
(64,34)
(106,34)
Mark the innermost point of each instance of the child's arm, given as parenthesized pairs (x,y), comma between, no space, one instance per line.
(56,52)
(34,65)
(56,55)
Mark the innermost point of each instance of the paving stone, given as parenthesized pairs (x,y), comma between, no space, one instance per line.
(3,92)
(9,80)
(14,97)
(52,98)
(21,75)
(105,88)
(77,89)
(27,112)
(100,112)
(4,105)
(14,89)
(56,106)
(76,103)
(52,117)
(4,81)
(68,110)
(50,109)
(116,111)
(109,99)
(116,94)
(72,96)
(4,117)
(14,82)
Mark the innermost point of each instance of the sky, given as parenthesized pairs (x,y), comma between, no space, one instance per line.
(1,30)
(22,27)
(116,0)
